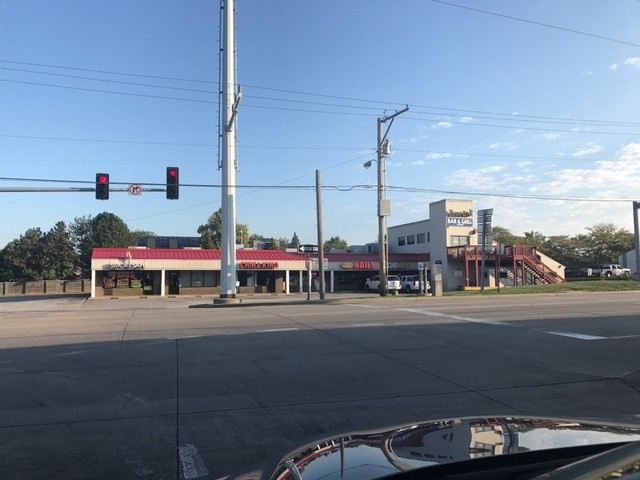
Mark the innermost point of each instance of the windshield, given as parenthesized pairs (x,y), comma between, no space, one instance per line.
(232,228)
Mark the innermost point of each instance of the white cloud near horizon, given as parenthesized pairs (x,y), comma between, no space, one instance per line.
(442,125)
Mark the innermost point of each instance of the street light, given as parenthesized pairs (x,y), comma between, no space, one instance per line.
(384,206)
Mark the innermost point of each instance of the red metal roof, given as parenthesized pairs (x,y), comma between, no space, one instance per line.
(242,255)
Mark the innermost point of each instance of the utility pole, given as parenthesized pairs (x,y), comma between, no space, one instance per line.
(321,285)
(384,206)
(636,236)
(229,106)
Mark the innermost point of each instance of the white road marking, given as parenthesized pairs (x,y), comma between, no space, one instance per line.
(278,330)
(579,336)
(456,317)
(192,464)
(367,324)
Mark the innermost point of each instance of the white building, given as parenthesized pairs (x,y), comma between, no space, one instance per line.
(450,237)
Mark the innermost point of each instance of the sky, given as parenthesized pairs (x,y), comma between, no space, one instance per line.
(529,108)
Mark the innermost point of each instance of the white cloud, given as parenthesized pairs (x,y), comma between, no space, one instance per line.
(589,149)
(549,136)
(633,61)
(436,155)
(524,163)
(588,73)
(502,146)
(613,67)
(478,180)
(441,125)
(466,119)
(613,178)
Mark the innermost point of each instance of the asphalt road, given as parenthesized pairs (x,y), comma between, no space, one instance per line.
(153,389)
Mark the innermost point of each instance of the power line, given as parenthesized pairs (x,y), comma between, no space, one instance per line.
(541,24)
(120,82)
(446,110)
(357,187)
(108,72)
(95,90)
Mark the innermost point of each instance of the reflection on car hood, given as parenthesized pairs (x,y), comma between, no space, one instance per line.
(375,454)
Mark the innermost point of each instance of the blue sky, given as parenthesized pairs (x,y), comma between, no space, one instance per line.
(501,105)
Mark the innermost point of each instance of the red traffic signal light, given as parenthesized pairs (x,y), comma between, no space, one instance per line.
(173,183)
(102,186)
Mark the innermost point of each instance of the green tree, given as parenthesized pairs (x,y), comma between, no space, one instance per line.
(605,243)
(80,236)
(9,271)
(211,232)
(503,235)
(103,230)
(295,241)
(335,242)
(26,256)
(109,230)
(60,259)
(534,239)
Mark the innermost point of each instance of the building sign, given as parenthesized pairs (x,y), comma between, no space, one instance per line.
(459,222)
(364,265)
(123,266)
(398,265)
(462,218)
(259,265)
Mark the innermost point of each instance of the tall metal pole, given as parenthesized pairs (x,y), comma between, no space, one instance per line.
(229,106)
(636,235)
(484,246)
(321,285)
(382,234)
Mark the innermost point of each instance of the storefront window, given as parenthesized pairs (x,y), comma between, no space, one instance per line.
(459,240)
(209,278)
(122,280)
(421,238)
(197,279)
(400,241)
(411,239)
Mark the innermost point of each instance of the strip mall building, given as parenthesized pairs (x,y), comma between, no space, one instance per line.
(448,238)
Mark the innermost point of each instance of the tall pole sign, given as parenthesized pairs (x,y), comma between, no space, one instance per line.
(484,230)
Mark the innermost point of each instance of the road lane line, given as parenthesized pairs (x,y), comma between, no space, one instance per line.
(278,330)
(579,336)
(192,464)
(456,317)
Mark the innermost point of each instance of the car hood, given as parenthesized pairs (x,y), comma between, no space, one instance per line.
(374,454)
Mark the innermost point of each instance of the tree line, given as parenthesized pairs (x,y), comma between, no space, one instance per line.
(64,252)
(603,243)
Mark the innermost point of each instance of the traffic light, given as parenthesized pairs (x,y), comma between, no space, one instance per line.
(102,186)
(173,183)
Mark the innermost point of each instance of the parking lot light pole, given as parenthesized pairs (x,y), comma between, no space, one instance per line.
(384,206)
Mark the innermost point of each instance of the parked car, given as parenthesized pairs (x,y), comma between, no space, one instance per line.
(411,284)
(373,283)
(607,270)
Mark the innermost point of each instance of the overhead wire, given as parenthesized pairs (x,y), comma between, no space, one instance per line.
(345,188)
